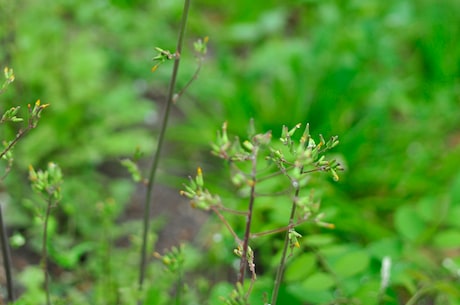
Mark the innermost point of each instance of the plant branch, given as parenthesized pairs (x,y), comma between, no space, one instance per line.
(6,259)
(281,266)
(191,80)
(156,157)
(227,225)
(21,133)
(247,232)
(278,230)
(231,211)
(44,250)
(34,116)
(420,293)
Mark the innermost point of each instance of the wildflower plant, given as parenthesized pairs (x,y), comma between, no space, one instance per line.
(47,183)
(253,162)
(173,262)
(12,115)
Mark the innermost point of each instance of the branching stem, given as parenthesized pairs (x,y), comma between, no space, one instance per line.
(6,259)
(281,266)
(247,232)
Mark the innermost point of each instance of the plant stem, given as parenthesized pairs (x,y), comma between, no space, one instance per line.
(280,271)
(179,288)
(227,225)
(156,157)
(45,252)
(6,259)
(21,133)
(420,293)
(247,232)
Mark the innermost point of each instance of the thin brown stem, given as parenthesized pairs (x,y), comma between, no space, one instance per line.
(280,193)
(225,222)
(6,259)
(191,80)
(231,211)
(21,133)
(156,157)
(247,232)
(278,230)
(280,271)
(31,124)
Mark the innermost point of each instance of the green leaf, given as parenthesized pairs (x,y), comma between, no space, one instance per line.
(310,296)
(385,247)
(319,281)
(300,267)
(351,263)
(319,240)
(408,223)
(447,239)
(430,209)
(454,216)
(368,292)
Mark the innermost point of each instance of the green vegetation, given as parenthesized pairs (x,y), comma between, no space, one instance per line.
(382,75)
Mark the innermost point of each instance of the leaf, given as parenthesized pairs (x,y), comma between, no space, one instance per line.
(368,292)
(385,247)
(318,240)
(300,267)
(448,239)
(430,209)
(454,216)
(408,223)
(352,263)
(319,281)
(310,296)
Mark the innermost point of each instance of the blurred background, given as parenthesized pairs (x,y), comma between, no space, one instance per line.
(382,75)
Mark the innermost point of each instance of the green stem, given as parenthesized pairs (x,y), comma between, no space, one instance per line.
(156,157)
(282,265)
(179,288)
(45,252)
(425,290)
(21,133)
(6,259)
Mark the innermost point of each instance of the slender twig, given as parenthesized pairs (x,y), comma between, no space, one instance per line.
(231,211)
(420,293)
(21,133)
(45,251)
(282,264)
(247,232)
(8,168)
(34,115)
(227,225)
(191,80)
(156,157)
(179,288)
(275,194)
(288,168)
(278,230)
(6,259)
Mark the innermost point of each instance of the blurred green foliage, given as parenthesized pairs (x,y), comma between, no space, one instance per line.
(383,75)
